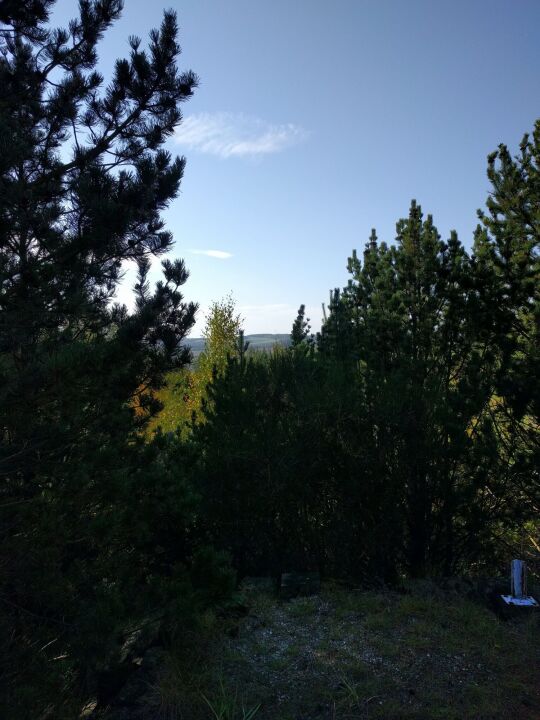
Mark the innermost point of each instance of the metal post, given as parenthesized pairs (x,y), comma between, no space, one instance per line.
(518,578)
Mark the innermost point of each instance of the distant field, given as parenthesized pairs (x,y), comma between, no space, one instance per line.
(259,341)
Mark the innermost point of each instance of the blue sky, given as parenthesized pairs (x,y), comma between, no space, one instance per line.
(316,121)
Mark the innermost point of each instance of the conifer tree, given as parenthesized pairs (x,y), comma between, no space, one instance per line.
(84,178)
(410,325)
(511,228)
(300,329)
(335,339)
(507,274)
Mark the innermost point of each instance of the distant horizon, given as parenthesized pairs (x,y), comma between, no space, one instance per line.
(248,335)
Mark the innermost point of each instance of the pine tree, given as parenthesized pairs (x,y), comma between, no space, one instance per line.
(84,179)
(507,265)
(335,339)
(69,221)
(411,326)
(510,233)
(300,330)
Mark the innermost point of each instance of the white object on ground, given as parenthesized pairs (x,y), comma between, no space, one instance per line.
(527,601)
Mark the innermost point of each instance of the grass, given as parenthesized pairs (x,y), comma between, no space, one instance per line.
(226,706)
(302,607)
(345,655)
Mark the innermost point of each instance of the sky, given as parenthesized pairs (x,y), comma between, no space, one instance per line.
(315,121)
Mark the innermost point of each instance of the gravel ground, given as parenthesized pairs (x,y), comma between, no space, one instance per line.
(368,655)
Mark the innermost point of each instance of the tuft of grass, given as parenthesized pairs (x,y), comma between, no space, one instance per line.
(383,622)
(357,602)
(356,697)
(293,650)
(224,705)
(179,686)
(302,607)
(278,664)
(262,604)
(387,647)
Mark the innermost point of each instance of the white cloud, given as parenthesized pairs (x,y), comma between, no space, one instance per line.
(236,135)
(220,254)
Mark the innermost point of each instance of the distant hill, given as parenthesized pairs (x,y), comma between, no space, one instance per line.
(258,341)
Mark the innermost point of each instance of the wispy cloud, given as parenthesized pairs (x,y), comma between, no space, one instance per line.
(220,254)
(236,135)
